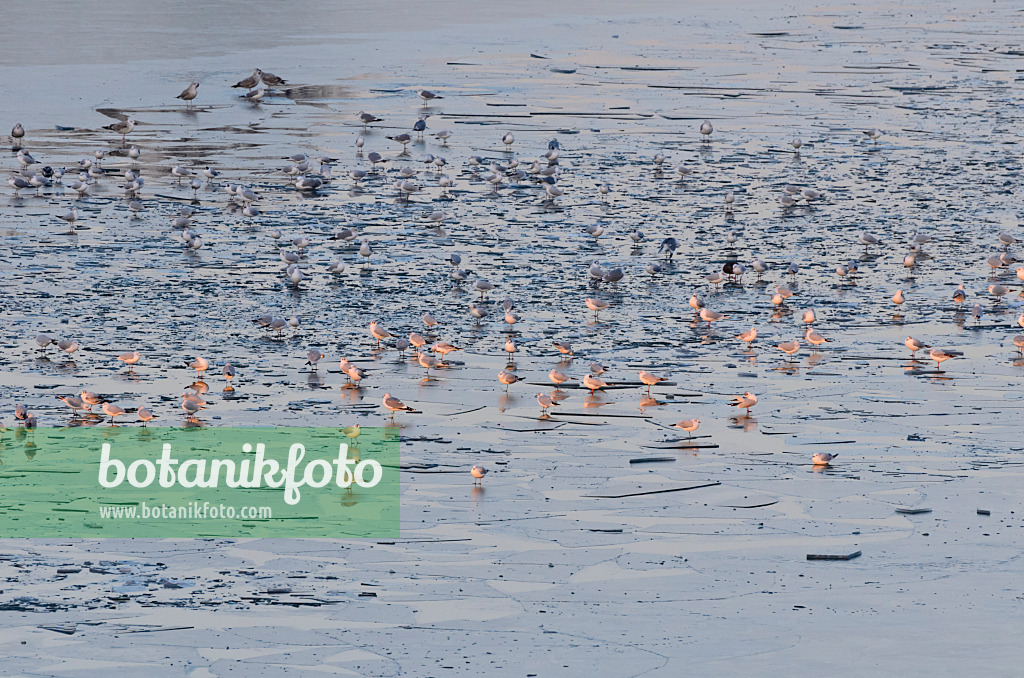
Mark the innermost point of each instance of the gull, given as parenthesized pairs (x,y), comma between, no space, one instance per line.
(709,316)
(998,291)
(1006,258)
(1006,239)
(545,402)
(404,138)
(374,157)
(427,362)
(706,129)
(748,336)
(510,348)
(134,153)
(649,379)
(195,185)
(552,190)
(595,271)
(25,158)
(959,296)
(250,82)
(74,403)
(915,345)
(69,346)
(668,247)
(596,305)
(593,383)
(977,312)
(346,234)
(429,320)
(872,134)
(613,276)
(178,172)
(191,408)
(478,473)
(445,348)
(921,239)
(17,183)
(365,252)
(123,128)
(759,267)
(508,140)
(378,332)
(808,316)
(313,357)
(477,312)
(867,240)
(366,118)
(228,371)
(130,359)
(511,318)
(595,230)
(445,182)
(308,184)
(636,236)
(483,287)
(417,340)
(189,93)
(18,132)
(337,267)
(144,415)
(810,194)
(360,141)
(604,189)
(653,268)
(427,95)
(995,262)
(395,405)
(789,347)
(688,425)
(790,189)
(508,378)
(696,303)
(112,410)
(43,341)
(898,298)
(20,412)
(1018,341)
(200,365)
(796,144)
(444,135)
(564,347)
(559,378)
(716,278)
(352,432)
(254,96)
(135,206)
(89,398)
(401,345)
(1020,273)
(939,356)
(814,339)
(683,171)
(745,401)
(269,79)
(842,271)
(823,458)
(786,201)
(71,217)
(508,304)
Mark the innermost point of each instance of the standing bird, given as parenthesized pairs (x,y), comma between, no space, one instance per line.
(478,473)
(130,359)
(823,458)
(270,80)
(706,129)
(18,133)
(593,383)
(112,411)
(200,365)
(749,336)
(545,402)
(649,379)
(189,93)
(508,378)
(745,401)
(688,425)
(144,415)
(427,95)
(508,140)
(939,356)
(123,128)
(915,345)
(250,82)
(378,332)
(596,305)
(395,405)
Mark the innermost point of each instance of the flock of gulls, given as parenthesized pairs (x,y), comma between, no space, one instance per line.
(425,347)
